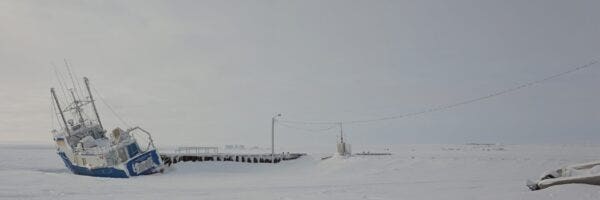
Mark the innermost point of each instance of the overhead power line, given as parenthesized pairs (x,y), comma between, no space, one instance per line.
(329,127)
(452,105)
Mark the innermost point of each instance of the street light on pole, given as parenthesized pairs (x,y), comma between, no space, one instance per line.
(273,137)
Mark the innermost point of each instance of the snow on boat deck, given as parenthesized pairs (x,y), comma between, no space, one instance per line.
(412,172)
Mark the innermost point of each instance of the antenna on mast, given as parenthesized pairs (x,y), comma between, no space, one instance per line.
(72,79)
(59,78)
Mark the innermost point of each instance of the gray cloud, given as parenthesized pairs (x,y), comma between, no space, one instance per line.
(214,72)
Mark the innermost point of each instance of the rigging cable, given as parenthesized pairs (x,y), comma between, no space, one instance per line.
(73,81)
(55,113)
(77,78)
(110,108)
(52,112)
(59,77)
(453,105)
(306,129)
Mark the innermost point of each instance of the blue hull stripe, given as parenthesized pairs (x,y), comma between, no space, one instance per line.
(152,155)
(113,172)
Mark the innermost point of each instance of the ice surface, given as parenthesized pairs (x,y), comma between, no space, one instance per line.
(413,172)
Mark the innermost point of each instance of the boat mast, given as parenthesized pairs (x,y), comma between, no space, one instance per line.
(87,85)
(60,111)
(77,107)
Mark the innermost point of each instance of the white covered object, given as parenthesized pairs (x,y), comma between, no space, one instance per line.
(586,173)
(88,142)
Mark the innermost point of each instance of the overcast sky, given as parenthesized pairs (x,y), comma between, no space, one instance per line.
(215,72)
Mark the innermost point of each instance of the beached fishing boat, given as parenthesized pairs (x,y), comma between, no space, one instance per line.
(82,143)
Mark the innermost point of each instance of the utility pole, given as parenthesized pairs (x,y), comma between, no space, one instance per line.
(273,137)
(341,133)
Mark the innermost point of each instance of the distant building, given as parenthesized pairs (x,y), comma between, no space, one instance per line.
(235,146)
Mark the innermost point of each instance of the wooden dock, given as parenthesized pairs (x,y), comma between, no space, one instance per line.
(374,154)
(173,158)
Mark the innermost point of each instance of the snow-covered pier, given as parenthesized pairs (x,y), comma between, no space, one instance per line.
(173,158)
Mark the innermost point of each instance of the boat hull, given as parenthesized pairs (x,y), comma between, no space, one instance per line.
(143,164)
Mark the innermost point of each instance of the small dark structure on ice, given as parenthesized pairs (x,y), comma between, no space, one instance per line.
(169,159)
